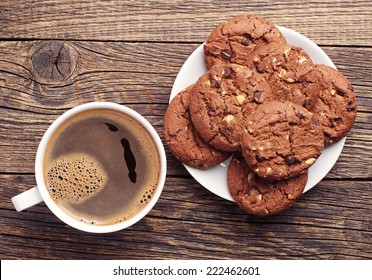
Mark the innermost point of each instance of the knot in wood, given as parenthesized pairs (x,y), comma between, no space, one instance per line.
(52,62)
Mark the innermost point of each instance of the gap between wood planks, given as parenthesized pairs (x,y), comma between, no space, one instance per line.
(188,176)
(152,42)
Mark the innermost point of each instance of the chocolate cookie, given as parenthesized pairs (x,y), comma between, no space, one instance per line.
(336,107)
(234,40)
(222,98)
(260,197)
(182,139)
(290,73)
(281,140)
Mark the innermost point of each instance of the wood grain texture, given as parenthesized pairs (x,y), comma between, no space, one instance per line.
(344,22)
(330,221)
(55,55)
(130,73)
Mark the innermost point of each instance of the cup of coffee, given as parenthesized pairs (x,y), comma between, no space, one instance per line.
(100,167)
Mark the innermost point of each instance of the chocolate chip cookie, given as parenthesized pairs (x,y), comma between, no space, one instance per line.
(336,107)
(233,41)
(182,139)
(260,197)
(281,140)
(290,73)
(221,100)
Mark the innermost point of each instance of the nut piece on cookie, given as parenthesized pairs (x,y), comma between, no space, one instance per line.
(234,40)
(291,138)
(182,139)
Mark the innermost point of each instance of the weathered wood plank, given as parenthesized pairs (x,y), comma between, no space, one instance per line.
(330,221)
(21,132)
(326,22)
(112,72)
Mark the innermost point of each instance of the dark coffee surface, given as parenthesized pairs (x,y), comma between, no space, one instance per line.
(102,167)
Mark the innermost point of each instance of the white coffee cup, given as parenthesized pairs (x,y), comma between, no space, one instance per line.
(40,193)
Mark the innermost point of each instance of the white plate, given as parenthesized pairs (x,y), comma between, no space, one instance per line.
(214,179)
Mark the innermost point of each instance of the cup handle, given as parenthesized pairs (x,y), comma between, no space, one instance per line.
(27,199)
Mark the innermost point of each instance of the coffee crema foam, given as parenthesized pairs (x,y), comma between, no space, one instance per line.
(75,177)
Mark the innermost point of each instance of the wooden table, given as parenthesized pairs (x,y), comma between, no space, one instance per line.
(55,55)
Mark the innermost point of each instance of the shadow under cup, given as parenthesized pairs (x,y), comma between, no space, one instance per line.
(100,167)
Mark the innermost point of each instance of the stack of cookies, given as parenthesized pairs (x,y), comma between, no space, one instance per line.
(264,102)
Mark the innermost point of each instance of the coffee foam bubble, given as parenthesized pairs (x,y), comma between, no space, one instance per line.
(75,177)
